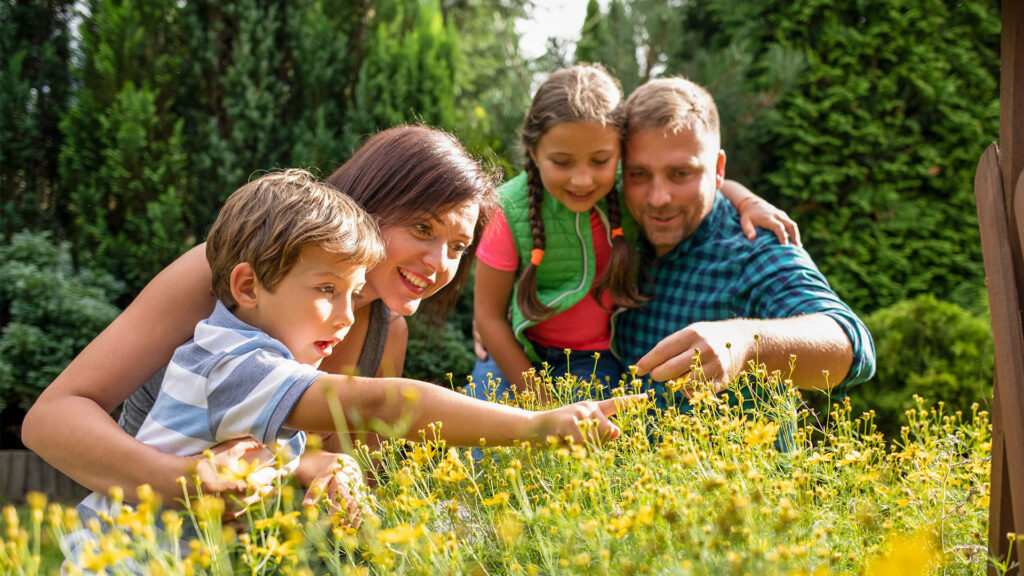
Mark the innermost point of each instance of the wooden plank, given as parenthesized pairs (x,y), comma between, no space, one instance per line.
(5,473)
(1001,271)
(1011,94)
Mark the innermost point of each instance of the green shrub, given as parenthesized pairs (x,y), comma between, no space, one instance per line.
(50,312)
(930,348)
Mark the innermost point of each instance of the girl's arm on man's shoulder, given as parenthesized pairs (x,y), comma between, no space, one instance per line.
(756,212)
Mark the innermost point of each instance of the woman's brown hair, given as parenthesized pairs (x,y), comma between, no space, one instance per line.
(583,93)
(403,173)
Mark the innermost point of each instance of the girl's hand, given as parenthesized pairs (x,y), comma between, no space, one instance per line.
(582,422)
(756,213)
(341,485)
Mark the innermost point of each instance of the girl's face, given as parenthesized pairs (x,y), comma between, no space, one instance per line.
(577,163)
(422,257)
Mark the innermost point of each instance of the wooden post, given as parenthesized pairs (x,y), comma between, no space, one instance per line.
(999,189)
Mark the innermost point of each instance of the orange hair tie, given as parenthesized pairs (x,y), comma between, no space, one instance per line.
(616,232)
(536,255)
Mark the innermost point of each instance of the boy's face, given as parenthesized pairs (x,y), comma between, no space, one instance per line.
(669,182)
(310,310)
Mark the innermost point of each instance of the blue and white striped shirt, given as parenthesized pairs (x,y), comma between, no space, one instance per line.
(230,381)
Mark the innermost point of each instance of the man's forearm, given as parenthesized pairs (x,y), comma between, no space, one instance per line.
(817,341)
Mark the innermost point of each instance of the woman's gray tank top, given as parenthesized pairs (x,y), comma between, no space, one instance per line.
(138,405)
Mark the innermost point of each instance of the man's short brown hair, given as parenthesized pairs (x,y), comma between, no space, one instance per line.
(670,105)
(270,220)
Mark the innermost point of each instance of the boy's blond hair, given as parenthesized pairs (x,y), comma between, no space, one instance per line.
(270,220)
(670,105)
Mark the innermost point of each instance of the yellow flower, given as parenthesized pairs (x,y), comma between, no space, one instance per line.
(761,433)
(499,498)
(401,534)
(914,555)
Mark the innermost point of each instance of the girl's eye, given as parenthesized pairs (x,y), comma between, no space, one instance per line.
(562,163)
(357,295)
(602,161)
(328,290)
(459,248)
(422,228)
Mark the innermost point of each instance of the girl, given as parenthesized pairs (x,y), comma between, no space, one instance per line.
(559,248)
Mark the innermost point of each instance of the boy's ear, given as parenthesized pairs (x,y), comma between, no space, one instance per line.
(244,285)
(720,170)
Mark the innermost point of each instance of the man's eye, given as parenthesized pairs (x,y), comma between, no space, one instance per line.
(636,174)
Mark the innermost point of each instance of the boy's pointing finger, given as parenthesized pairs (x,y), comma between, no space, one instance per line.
(611,406)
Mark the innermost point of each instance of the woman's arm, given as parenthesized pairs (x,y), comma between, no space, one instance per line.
(756,212)
(70,426)
(491,295)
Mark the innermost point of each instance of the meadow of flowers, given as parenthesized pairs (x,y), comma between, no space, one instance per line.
(706,492)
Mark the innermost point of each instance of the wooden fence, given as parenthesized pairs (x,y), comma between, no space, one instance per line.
(22,471)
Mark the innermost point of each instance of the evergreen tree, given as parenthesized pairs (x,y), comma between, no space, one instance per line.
(35,88)
(122,161)
(492,90)
(408,73)
(611,40)
(874,150)
(235,96)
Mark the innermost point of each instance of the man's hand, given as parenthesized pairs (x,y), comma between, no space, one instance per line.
(724,348)
(583,422)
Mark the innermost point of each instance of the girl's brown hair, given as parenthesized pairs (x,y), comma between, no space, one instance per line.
(404,173)
(583,93)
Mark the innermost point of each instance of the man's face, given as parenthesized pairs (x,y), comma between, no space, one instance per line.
(669,181)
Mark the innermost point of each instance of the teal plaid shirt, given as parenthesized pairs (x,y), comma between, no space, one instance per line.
(718,274)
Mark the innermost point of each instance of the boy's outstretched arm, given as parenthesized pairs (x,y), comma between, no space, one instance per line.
(464,420)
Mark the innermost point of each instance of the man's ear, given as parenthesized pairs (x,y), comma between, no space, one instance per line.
(244,285)
(720,170)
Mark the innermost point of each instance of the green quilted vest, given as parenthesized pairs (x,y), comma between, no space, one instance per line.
(566,274)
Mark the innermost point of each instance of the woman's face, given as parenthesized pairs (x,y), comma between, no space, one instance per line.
(422,257)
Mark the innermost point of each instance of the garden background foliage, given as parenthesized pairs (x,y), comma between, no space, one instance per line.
(126,123)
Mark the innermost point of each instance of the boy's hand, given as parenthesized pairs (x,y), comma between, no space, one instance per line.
(582,422)
(234,490)
(341,485)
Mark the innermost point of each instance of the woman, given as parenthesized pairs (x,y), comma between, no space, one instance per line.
(432,200)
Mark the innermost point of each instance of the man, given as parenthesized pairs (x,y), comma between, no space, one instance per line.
(712,291)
